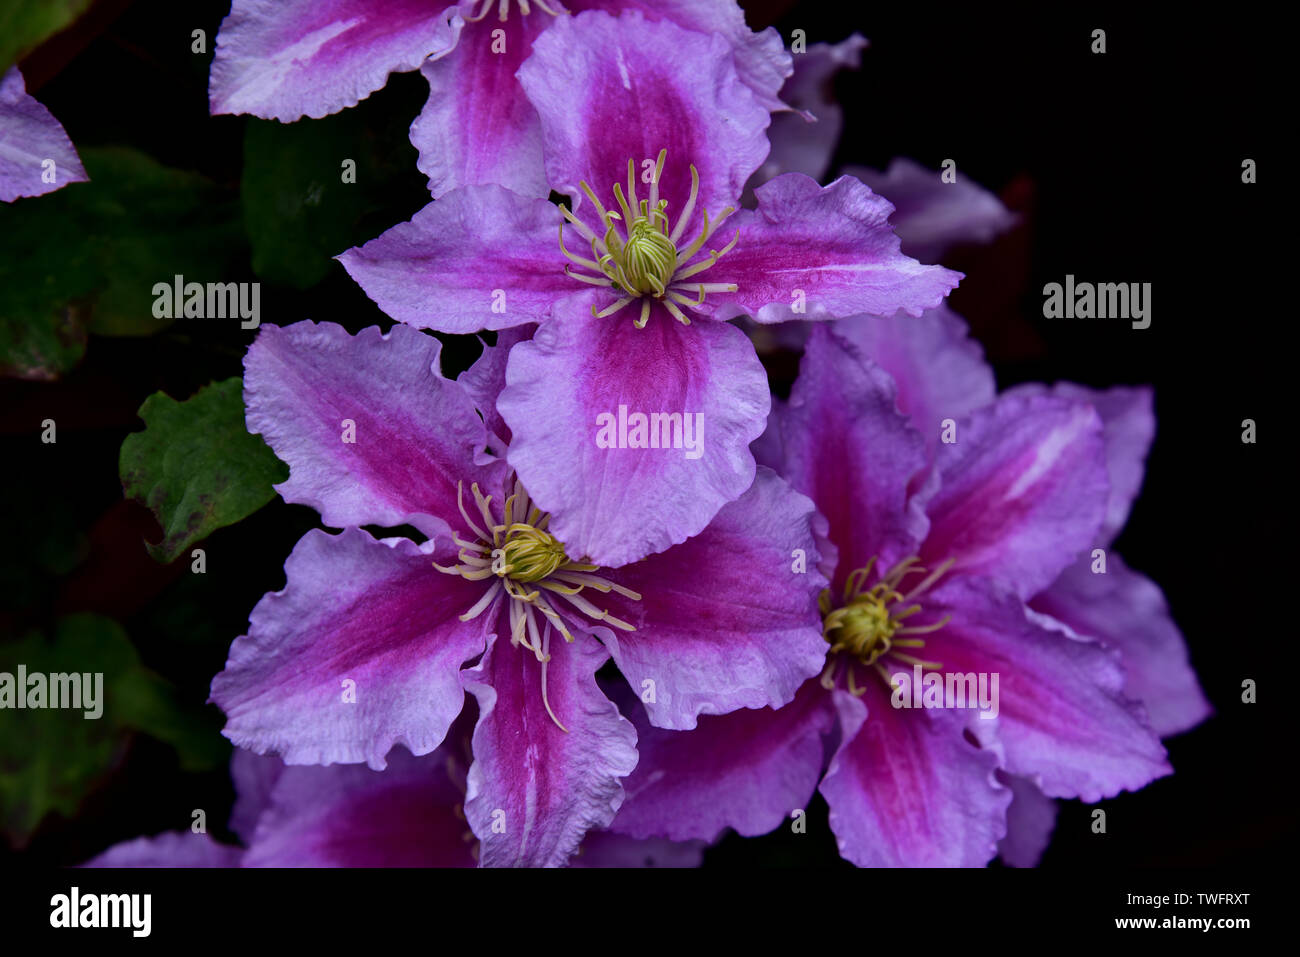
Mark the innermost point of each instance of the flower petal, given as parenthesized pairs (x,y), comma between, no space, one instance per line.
(481,257)
(359,652)
(814,252)
(30,137)
(932,216)
(1062,715)
(848,447)
(534,789)
(748,770)
(1127,611)
(729,618)
(804,139)
(477,126)
(413,435)
(1031,818)
(617,504)
(1128,428)
(760,58)
(285,59)
(609,90)
(906,789)
(1023,491)
(938,368)
(485,379)
(352,816)
(169,849)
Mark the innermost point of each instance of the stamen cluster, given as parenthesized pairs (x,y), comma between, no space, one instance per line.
(644,259)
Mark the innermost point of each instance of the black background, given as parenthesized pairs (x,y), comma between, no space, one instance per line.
(1125,167)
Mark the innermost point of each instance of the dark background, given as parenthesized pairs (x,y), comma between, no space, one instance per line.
(1124,166)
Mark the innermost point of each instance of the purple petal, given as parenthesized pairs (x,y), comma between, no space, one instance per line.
(1128,428)
(804,141)
(847,446)
(375,613)
(1126,611)
(285,59)
(760,58)
(477,126)
(906,789)
(729,618)
(617,504)
(748,770)
(1031,818)
(485,379)
(827,251)
(481,257)
(254,777)
(1062,714)
(30,137)
(534,789)
(609,90)
(607,849)
(938,369)
(932,216)
(169,849)
(1023,491)
(416,435)
(352,816)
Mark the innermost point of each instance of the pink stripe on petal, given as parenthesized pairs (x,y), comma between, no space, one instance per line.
(728,619)
(1063,716)
(376,614)
(1023,491)
(906,789)
(477,126)
(413,435)
(285,59)
(814,252)
(618,504)
(534,789)
(609,90)
(481,257)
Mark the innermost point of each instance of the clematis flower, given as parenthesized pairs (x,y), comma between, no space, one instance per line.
(374,642)
(285,60)
(36,156)
(650,129)
(935,548)
(409,815)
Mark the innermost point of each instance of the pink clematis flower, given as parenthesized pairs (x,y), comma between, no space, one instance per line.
(375,642)
(650,129)
(941,556)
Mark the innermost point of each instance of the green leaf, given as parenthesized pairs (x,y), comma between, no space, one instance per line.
(26,24)
(196,466)
(51,758)
(86,258)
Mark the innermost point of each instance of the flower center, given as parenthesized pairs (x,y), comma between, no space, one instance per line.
(869,624)
(503,9)
(643,262)
(519,552)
